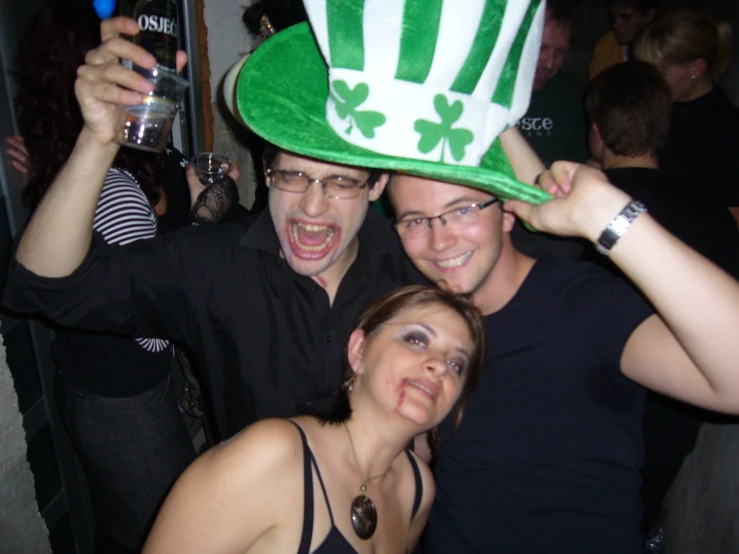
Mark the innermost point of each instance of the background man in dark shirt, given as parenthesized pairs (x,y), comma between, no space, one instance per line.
(629,106)
(554,125)
(628,17)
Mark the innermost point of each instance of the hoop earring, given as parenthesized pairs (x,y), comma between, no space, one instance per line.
(347,385)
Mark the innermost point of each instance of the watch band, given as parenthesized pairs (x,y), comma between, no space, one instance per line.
(618,226)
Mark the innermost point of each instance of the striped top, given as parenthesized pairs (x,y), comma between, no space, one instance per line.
(123,215)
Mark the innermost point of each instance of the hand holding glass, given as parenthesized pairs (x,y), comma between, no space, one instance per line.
(148,124)
(210,168)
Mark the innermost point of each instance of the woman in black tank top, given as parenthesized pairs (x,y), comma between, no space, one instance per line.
(345,482)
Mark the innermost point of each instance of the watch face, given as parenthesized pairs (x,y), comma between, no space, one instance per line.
(618,226)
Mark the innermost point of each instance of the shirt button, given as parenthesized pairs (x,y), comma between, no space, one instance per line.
(330,337)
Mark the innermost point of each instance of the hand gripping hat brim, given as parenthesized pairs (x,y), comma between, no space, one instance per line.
(282,96)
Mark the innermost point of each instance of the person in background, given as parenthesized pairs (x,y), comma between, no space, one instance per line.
(693,51)
(628,108)
(18,155)
(554,124)
(628,17)
(115,396)
(415,356)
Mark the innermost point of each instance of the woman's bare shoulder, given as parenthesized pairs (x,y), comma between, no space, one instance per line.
(240,480)
(268,444)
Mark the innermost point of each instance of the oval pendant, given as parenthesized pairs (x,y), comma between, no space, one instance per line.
(364,516)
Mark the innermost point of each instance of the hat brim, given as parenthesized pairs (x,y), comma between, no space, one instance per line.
(281,96)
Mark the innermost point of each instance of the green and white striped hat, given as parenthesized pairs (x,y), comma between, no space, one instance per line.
(419,86)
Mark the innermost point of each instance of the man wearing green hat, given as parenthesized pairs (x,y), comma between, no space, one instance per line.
(547,455)
(268,309)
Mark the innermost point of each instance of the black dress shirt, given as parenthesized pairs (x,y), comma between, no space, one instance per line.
(265,337)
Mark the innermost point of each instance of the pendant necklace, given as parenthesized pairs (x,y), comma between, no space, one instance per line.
(363,511)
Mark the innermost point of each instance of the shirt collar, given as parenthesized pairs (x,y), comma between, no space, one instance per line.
(262,235)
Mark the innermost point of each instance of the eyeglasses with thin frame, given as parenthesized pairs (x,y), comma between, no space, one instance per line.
(456,218)
(335,186)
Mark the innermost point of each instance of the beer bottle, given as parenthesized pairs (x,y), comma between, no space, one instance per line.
(158,30)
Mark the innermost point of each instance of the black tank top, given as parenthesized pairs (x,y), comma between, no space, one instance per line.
(335,542)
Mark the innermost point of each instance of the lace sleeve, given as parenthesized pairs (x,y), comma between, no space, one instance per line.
(214,202)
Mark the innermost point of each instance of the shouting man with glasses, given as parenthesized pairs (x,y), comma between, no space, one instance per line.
(266,307)
(317,210)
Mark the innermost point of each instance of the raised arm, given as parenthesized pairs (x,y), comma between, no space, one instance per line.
(525,162)
(691,349)
(60,231)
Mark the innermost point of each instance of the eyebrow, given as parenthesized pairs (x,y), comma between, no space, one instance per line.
(466,355)
(309,174)
(418,213)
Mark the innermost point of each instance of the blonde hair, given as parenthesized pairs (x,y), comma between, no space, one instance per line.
(684,36)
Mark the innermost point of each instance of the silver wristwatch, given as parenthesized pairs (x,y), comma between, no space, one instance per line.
(618,226)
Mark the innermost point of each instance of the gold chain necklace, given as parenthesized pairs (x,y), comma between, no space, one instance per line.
(363,511)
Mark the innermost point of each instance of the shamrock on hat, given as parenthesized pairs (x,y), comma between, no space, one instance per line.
(419,86)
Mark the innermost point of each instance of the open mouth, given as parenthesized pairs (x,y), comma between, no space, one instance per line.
(310,239)
(452,263)
(426,388)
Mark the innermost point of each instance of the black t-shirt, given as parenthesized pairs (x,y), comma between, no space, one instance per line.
(548,453)
(554,124)
(703,145)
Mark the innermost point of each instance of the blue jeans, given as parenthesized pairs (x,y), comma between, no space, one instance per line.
(131,450)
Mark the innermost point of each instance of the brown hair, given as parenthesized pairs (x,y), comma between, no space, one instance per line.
(684,36)
(52,48)
(631,104)
(561,12)
(392,304)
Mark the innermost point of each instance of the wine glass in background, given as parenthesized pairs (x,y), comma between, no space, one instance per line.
(210,168)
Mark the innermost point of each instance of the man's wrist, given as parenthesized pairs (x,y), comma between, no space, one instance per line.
(599,213)
(90,147)
(88,139)
(618,226)
(90,159)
